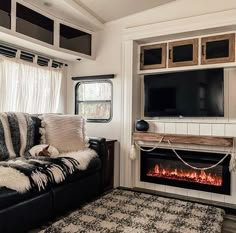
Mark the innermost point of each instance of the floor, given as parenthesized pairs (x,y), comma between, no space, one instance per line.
(229,225)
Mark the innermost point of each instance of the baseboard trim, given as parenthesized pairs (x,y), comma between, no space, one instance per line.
(229,208)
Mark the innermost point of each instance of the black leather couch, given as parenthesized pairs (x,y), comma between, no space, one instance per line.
(21,212)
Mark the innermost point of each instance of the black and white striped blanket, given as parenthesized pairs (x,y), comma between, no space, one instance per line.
(36,173)
(17,134)
(39,173)
(21,172)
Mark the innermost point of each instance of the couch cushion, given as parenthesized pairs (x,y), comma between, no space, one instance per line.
(94,166)
(65,132)
(27,214)
(9,197)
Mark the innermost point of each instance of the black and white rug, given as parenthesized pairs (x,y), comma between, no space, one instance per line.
(132,212)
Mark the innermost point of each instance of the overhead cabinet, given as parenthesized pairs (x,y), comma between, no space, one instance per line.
(153,56)
(5,13)
(189,52)
(180,53)
(218,49)
(75,40)
(183,53)
(33,24)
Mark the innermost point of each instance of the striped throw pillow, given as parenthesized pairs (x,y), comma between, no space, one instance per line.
(17,133)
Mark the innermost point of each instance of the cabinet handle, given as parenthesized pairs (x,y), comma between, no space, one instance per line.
(141,58)
(108,155)
(203,50)
(170,54)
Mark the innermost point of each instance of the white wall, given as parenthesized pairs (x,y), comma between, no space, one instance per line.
(108,52)
(177,10)
(108,60)
(109,46)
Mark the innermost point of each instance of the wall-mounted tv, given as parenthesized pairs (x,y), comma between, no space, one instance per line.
(198,93)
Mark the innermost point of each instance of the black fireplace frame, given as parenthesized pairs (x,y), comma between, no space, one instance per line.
(190,156)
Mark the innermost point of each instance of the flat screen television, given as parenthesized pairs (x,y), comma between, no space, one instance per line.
(198,93)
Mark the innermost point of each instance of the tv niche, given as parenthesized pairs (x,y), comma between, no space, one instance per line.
(198,93)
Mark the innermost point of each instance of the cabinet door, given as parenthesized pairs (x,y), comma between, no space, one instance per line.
(75,40)
(33,24)
(5,13)
(218,49)
(153,56)
(183,53)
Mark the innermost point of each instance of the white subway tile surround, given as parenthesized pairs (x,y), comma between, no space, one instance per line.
(205,129)
(218,130)
(192,128)
(170,127)
(182,128)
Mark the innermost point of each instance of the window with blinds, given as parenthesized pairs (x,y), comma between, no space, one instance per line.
(11,52)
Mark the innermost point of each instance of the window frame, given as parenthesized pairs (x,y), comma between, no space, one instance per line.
(102,101)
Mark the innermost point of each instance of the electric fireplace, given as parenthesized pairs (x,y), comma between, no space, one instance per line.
(161,166)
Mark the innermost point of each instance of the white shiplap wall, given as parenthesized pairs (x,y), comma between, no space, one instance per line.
(193,128)
(129,173)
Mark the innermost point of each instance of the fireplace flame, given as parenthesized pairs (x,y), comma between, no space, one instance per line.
(201,177)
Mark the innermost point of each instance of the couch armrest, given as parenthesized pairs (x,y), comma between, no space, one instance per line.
(99,145)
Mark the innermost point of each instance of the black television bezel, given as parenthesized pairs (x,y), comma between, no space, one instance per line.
(163,114)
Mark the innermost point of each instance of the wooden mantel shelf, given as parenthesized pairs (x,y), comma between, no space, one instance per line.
(184,139)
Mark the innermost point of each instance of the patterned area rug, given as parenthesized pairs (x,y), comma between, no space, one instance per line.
(126,211)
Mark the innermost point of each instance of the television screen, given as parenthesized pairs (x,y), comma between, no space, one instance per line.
(197,93)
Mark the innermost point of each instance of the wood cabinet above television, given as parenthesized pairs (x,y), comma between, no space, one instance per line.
(218,49)
(153,56)
(196,51)
(183,53)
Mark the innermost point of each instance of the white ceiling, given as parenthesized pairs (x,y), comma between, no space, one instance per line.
(109,10)
(93,14)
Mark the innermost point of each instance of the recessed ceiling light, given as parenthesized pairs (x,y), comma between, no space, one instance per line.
(47,4)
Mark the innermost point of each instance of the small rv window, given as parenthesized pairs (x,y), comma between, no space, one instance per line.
(93,100)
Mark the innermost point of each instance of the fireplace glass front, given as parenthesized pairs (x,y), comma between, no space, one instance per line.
(163,167)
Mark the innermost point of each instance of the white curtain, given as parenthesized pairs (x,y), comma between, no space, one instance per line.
(26,87)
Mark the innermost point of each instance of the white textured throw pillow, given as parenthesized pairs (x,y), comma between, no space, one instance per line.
(65,132)
(34,151)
